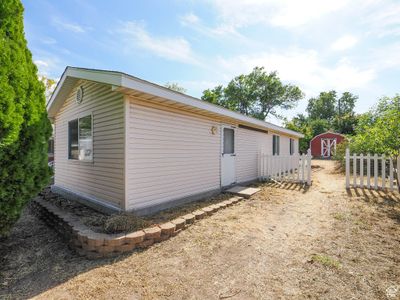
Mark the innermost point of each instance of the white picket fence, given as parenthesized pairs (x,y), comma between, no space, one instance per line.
(371,171)
(293,168)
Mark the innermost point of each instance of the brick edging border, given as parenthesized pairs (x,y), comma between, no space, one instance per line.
(97,245)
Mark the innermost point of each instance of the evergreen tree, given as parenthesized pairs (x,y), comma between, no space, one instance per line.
(24,126)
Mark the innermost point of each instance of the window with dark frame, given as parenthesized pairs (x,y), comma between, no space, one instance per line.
(291,148)
(275,144)
(80,139)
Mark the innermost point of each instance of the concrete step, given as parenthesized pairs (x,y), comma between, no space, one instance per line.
(243,191)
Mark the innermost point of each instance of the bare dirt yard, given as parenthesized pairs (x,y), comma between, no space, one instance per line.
(284,243)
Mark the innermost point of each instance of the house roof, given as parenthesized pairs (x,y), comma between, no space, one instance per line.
(129,84)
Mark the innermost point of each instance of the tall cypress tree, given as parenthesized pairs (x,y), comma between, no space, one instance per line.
(24,126)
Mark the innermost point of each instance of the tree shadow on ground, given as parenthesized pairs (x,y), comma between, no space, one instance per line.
(387,202)
(34,259)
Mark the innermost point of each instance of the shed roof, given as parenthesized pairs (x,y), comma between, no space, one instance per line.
(149,91)
(327,132)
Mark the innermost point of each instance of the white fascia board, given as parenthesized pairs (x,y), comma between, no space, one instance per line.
(107,77)
(117,79)
(153,89)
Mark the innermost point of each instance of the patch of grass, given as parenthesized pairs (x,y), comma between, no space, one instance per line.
(326,261)
(340,216)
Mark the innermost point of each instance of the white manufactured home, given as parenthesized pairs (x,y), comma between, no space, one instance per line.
(122,143)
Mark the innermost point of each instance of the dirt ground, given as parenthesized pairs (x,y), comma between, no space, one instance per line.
(284,243)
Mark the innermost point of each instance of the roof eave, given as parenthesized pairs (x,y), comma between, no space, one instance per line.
(119,79)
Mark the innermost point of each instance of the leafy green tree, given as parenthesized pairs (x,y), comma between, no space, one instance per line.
(345,119)
(49,84)
(322,107)
(175,87)
(378,131)
(346,103)
(24,126)
(308,127)
(215,96)
(300,123)
(257,94)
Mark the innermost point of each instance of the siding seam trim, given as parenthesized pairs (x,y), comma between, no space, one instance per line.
(126,144)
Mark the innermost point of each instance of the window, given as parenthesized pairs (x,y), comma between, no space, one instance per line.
(80,140)
(275,145)
(291,148)
(229,141)
(50,146)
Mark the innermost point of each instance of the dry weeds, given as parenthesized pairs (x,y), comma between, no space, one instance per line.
(263,248)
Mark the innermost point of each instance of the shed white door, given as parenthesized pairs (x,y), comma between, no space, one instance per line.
(228,156)
(328,147)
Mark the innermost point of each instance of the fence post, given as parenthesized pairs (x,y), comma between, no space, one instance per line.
(368,171)
(347,168)
(280,167)
(375,171)
(391,174)
(354,171)
(398,173)
(309,167)
(362,170)
(269,167)
(303,158)
(383,171)
(298,166)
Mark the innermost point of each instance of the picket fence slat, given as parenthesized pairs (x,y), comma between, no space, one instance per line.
(368,171)
(383,172)
(390,174)
(376,171)
(361,170)
(293,168)
(386,169)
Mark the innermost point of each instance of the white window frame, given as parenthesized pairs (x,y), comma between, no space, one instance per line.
(80,116)
(278,138)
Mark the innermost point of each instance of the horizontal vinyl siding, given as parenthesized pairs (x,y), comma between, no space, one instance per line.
(104,177)
(249,143)
(170,156)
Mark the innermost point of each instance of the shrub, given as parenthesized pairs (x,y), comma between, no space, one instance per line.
(24,126)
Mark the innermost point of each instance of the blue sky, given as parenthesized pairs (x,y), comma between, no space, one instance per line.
(346,45)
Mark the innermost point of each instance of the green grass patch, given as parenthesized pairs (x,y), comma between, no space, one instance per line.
(326,260)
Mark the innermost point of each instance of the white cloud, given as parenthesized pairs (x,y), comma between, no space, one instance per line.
(280,13)
(345,42)
(382,17)
(189,18)
(302,67)
(194,22)
(73,27)
(176,48)
(48,66)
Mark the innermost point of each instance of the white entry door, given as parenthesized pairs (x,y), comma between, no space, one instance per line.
(328,147)
(228,156)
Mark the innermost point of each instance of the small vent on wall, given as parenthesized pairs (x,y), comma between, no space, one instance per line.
(79,95)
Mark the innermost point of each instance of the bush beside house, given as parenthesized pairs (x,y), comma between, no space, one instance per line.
(24,126)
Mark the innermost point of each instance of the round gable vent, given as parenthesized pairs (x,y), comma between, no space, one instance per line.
(79,95)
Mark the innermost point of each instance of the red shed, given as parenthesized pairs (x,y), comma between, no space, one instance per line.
(324,144)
